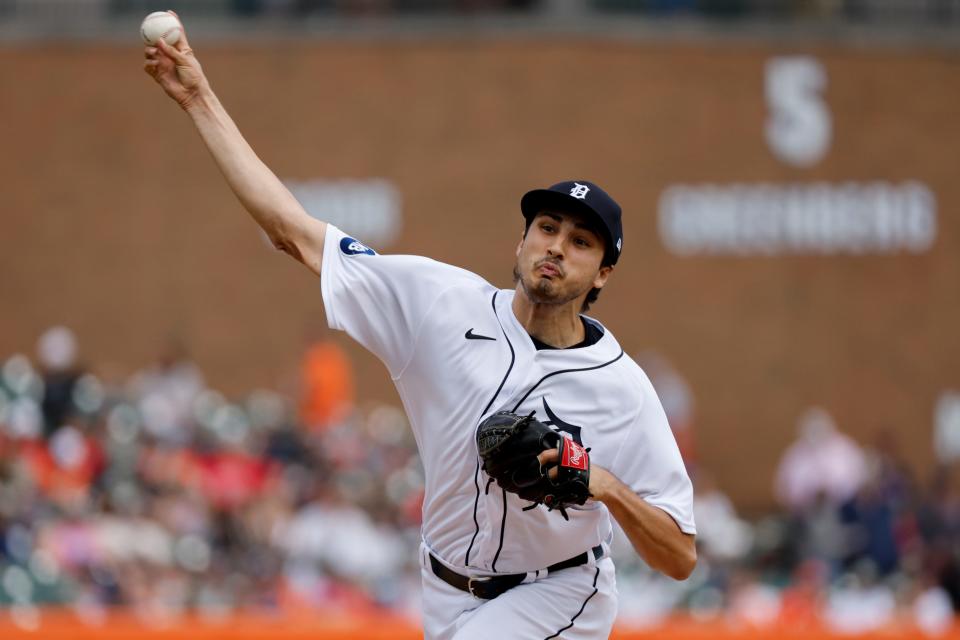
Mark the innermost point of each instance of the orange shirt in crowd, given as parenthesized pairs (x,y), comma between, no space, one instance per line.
(63,478)
(328,389)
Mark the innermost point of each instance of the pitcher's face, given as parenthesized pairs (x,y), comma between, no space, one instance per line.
(559,259)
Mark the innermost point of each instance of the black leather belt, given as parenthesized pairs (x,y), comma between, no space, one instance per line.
(490,587)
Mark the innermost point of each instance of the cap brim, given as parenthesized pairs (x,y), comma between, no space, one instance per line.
(538,200)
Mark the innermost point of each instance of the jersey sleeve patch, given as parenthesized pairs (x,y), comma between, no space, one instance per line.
(352,247)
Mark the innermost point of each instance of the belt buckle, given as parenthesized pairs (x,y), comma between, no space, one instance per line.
(470,582)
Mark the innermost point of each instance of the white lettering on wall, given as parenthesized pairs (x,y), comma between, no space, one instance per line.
(820,218)
(798,126)
(946,427)
(367,209)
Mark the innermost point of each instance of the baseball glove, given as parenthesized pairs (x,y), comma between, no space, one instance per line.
(509,445)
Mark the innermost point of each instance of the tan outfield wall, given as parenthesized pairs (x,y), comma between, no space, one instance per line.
(117,223)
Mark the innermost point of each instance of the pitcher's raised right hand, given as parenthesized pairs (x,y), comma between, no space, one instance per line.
(176,70)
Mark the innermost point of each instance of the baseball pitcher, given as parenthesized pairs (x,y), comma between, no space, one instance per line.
(534,427)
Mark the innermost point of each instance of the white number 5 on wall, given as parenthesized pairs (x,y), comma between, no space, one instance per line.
(798,126)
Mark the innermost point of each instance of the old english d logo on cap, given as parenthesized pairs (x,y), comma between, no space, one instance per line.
(580,191)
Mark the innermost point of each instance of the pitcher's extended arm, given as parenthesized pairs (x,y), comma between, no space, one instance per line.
(290,228)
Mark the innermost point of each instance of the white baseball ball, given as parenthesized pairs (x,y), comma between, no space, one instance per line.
(161,24)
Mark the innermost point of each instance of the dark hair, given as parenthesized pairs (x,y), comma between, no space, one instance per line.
(595,292)
(592,295)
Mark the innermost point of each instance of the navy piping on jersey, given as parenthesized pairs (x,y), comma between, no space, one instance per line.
(556,373)
(503,528)
(503,524)
(476,473)
(476,501)
(582,607)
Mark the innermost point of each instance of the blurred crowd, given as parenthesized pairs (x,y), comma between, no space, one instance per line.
(836,10)
(860,541)
(891,12)
(921,10)
(861,544)
(158,494)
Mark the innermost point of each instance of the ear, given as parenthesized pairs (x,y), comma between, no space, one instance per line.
(602,276)
(520,244)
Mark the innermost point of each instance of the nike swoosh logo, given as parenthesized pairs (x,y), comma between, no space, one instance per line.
(470,335)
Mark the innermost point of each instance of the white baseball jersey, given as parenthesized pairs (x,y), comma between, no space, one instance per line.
(457,354)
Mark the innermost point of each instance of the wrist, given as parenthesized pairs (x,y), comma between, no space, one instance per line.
(200,102)
(602,483)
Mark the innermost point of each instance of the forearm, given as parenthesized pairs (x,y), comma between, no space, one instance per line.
(259,190)
(652,532)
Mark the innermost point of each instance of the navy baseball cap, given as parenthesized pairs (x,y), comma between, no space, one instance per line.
(580,196)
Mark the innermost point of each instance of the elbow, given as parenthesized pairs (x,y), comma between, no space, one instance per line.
(287,246)
(684,565)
